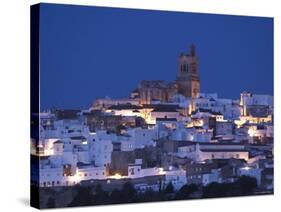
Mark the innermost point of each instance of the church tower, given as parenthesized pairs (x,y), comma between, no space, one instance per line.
(188,80)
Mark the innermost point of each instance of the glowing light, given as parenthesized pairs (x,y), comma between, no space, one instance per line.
(75,179)
(246,168)
(117,176)
(161,171)
(251,132)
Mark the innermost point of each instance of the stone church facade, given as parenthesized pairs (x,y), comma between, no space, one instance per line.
(187,82)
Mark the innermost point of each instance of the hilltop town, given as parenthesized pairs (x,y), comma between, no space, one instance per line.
(162,135)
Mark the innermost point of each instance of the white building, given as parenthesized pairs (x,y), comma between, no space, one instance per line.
(101,148)
(135,170)
(142,137)
(212,177)
(201,151)
(177,177)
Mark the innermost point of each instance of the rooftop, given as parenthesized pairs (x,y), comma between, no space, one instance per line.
(223,150)
(166,108)
(166,119)
(124,107)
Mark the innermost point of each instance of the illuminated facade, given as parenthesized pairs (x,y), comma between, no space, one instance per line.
(188,80)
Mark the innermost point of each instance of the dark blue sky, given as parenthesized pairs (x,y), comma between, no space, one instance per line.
(90,52)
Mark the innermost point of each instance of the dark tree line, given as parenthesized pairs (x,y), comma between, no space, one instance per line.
(128,194)
(243,186)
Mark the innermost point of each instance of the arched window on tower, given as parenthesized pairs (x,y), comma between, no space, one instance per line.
(186,68)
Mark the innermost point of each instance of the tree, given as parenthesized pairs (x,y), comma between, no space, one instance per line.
(169,189)
(100,197)
(51,203)
(186,191)
(148,196)
(243,186)
(215,190)
(83,197)
(115,196)
(246,184)
(128,193)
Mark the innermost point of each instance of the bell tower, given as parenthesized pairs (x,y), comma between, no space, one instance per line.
(188,80)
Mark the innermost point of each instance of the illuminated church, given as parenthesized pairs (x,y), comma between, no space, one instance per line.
(187,82)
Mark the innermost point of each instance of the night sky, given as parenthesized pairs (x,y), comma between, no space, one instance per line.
(91,52)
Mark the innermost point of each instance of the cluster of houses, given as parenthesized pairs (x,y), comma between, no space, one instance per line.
(153,143)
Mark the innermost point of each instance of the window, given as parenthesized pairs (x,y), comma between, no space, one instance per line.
(184,68)
(132,171)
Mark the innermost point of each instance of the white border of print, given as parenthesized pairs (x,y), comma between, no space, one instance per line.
(14,92)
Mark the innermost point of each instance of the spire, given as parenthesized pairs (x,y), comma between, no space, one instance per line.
(192,50)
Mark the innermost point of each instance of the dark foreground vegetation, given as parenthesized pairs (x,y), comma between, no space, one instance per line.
(89,195)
